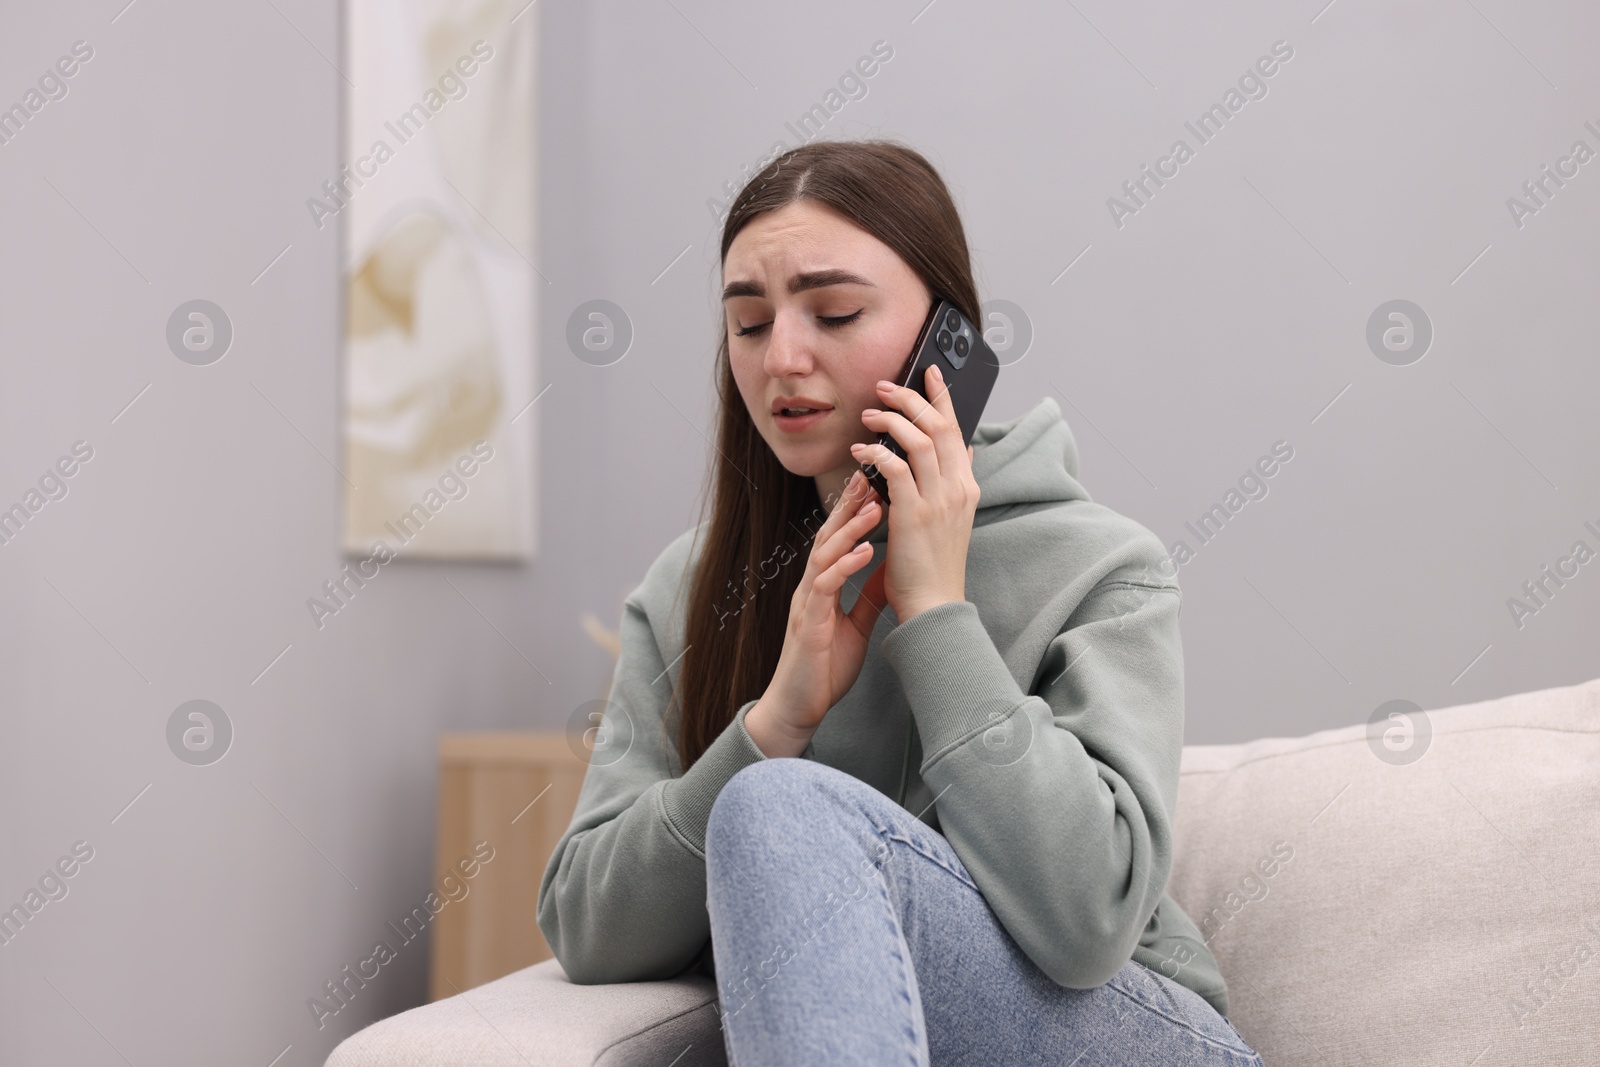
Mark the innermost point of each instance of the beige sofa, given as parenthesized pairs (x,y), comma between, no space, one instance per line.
(1422,891)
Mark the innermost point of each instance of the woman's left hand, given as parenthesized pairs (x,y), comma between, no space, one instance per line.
(932,499)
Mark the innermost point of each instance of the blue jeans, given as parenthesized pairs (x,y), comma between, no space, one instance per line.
(846,931)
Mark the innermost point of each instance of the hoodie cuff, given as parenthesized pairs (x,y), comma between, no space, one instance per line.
(686,800)
(953,676)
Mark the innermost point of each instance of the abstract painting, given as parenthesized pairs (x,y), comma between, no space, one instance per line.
(435,206)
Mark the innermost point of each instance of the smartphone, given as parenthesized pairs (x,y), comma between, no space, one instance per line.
(969,367)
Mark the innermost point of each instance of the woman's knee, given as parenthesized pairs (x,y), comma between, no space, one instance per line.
(761,785)
(796,820)
(785,788)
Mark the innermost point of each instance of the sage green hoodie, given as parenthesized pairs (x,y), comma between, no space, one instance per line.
(1037,725)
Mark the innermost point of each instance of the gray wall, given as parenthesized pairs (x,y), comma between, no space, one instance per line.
(1228,313)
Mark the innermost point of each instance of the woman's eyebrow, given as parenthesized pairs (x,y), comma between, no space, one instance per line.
(799,283)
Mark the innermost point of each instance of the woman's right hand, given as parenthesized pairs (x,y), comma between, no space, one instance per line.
(823,648)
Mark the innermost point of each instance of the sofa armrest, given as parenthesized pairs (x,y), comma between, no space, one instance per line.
(535,1017)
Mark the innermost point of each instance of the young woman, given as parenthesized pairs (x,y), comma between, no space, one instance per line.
(983,683)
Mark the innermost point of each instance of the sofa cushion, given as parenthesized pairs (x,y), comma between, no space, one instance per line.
(1431,901)
(535,1017)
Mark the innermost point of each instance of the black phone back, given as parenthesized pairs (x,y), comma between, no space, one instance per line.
(968,364)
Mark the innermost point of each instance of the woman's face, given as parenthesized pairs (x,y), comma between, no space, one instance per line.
(818,311)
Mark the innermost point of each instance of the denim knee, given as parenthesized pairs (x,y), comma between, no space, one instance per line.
(773,803)
(752,788)
(785,784)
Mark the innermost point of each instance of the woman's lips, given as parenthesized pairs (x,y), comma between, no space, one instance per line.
(798,423)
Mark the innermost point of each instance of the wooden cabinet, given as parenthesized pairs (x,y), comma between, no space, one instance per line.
(516,791)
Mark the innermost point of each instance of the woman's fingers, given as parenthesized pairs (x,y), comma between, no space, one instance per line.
(829,584)
(918,446)
(842,546)
(846,536)
(826,546)
(927,430)
(849,501)
(947,438)
(896,471)
(856,493)
(830,581)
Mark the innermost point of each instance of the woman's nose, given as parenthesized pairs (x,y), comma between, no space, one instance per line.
(788,349)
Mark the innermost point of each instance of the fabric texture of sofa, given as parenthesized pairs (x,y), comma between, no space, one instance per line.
(1425,890)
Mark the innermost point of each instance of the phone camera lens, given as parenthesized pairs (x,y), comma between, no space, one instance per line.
(952,321)
(961,346)
(944,340)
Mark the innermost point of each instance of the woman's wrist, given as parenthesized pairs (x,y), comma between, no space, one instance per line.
(772,736)
(918,609)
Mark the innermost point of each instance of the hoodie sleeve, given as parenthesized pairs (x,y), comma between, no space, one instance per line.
(1058,800)
(623,897)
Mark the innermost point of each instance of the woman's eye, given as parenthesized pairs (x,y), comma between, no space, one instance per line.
(833,322)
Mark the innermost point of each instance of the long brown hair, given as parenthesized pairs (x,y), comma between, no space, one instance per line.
(763,518)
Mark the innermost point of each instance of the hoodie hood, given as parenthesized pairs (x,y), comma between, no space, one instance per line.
(1031,459)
